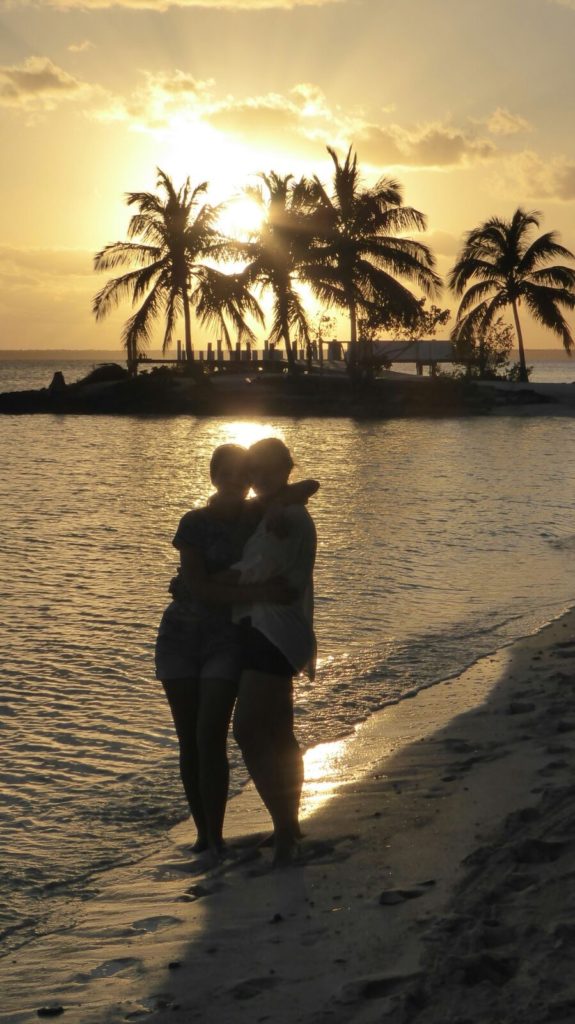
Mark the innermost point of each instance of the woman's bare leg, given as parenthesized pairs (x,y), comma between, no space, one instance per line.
(217,698)
(183,698)
(263,728)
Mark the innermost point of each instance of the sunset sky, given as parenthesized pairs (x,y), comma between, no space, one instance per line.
(469,103)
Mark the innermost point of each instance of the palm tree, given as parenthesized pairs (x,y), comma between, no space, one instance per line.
(176,234)
(361,249)
(509,267)
(277,254)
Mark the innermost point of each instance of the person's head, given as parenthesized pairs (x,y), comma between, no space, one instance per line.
(270,465)
(230,472)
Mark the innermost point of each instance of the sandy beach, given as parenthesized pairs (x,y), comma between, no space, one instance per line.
(434,884)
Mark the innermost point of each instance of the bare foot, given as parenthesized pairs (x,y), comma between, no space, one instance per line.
(287,850)
(200,845)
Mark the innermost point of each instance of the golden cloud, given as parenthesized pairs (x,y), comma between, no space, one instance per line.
(38,84)
(502,122)
(161,97)
(433,145)
(443,243)
(46,299)
(81,47)
(527,174)
(46,262)
(300,122)
(276,121)
(164,5)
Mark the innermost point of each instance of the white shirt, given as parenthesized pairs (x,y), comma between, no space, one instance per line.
(288,626)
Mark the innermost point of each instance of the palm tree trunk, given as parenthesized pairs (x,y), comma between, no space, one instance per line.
(286,336)
(131,358)
(289,349)
(481,357)
(352,358)
(523,376)
(187,323)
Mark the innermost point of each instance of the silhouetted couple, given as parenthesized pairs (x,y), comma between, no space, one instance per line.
(238,630)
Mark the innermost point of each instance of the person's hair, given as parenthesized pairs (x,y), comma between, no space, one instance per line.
(223,453)
(272,449)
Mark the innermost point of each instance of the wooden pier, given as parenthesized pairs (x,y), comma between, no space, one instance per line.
(269,358)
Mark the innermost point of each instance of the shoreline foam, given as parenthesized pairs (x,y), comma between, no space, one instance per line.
(411,904)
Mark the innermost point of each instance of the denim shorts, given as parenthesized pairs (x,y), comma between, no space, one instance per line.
(188,647)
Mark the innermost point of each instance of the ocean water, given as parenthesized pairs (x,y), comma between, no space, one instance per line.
(439,541)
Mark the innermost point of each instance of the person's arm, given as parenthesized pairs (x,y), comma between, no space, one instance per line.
(292,494)
(298,550)
(298,493)
(224,588)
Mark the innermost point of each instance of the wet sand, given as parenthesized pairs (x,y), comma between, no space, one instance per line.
(435,882)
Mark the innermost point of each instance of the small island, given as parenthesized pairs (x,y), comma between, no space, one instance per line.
(345,248)
(238,387)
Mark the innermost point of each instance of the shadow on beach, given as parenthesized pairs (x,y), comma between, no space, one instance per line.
(421,881)
(433,886)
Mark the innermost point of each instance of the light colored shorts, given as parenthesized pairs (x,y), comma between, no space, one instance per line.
(188,647)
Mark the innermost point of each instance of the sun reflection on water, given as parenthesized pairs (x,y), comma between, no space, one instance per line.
(322,773)
(245,432)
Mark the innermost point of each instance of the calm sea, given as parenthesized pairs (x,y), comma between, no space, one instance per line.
(439,542)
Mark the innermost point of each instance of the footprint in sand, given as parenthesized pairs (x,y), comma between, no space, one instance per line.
(108,968)
(552,767)
(375,986)
(391,897)
(154,924)
(520,707)
(564,649)
(161,1001)
(199,892)
(490,967)
(250,987)
(538,851)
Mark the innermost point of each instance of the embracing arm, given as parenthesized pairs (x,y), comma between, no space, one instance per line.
(224,588)
(298,493)
(291,495)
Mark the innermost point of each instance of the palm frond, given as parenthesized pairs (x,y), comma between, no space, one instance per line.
(380,289)
(173,310)
(477,320)
(119,253)
(471,267)
(543,304)
(478,292)
(123,287)
(544,248)
(560,277)
(137,332)
(405,258)
(218,297)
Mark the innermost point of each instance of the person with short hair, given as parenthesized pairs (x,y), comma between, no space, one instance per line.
(277,642)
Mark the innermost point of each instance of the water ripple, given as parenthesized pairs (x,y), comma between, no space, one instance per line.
(438,542)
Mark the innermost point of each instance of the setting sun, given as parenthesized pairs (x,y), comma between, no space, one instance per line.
(240,217)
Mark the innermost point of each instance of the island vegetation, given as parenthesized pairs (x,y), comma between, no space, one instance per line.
(313,251)
(349,247)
